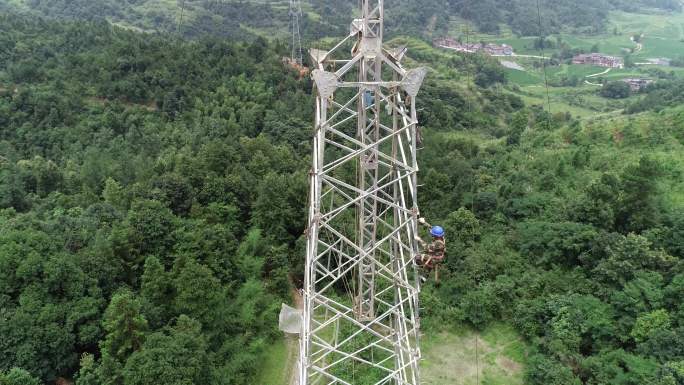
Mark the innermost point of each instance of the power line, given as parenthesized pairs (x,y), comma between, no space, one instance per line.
(472,180)
(180,20)
(542,42)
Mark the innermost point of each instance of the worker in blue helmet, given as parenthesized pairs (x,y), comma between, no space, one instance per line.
(433,253)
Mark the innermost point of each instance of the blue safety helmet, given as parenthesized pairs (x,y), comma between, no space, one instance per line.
(437,231)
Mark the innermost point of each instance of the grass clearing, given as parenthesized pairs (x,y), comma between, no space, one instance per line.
(278,363)
(662,31)
(523,78)
(450,357)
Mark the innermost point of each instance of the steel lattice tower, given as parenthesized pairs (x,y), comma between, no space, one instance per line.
(295,14)
(360,319)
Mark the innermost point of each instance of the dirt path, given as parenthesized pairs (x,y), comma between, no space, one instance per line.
(599,74)
(595,75)
(526,56)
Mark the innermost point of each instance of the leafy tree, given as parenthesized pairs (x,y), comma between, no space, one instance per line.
(584,326)
(674,239)
(489,74)
(88,372)
(125,327)
(198,293)
(148,231)
(155,292)
(674,291)
(616,90)
(619,367)
(672,373)
(542,370)
(650,323)
(177,357)
(555,243)
(18,376)
(176,192)
(615,259)
(519,124)
(639,209)
(480,307)
(275,211)
(463,226)
(663,344)
(599,206)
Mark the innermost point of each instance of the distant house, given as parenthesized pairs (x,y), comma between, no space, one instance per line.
(498,50)
(637,84)
(600,60)
(451,43)
(489,49)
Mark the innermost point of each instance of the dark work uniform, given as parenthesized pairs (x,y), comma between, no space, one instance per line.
(433,255)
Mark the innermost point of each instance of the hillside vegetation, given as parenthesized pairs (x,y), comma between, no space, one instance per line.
(556,15)
(153,197)
(248,18)
(149,203)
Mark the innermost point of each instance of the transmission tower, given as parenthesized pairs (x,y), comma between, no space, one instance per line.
(360,318)
(295,14)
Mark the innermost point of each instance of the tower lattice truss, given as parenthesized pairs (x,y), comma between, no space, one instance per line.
(296,45)
(360,319)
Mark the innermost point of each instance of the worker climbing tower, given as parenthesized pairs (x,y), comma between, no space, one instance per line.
(360,319)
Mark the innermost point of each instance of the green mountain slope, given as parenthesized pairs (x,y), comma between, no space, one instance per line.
(152,205)
(191,18)
(243,19)
(131,175)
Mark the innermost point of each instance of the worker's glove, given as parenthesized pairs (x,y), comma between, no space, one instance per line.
(421,221)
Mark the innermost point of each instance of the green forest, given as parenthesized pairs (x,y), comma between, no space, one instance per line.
(150,203)
(153,203)
(247,19)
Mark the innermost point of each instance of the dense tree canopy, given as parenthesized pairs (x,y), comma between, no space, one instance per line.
(239,19)
(152,205)
(131,175)
(616,90)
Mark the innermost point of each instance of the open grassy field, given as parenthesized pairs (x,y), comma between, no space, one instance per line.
(277,364)
(494,357)
(663,35)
